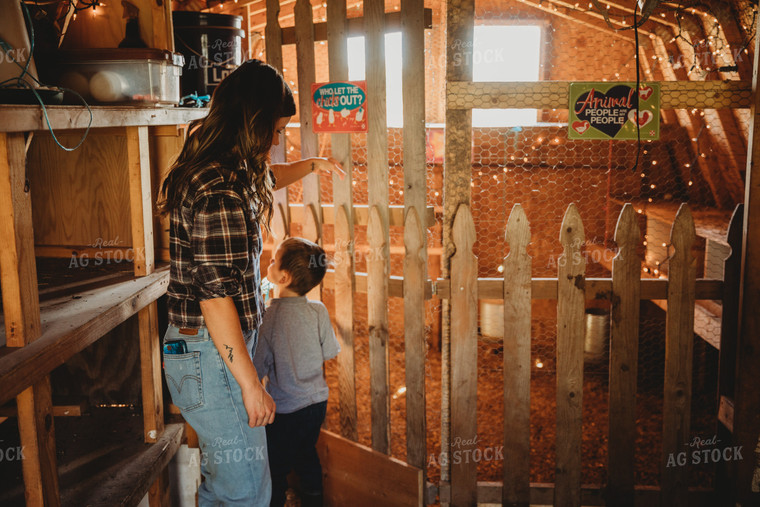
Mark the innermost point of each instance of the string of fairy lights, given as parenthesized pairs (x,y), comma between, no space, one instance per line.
(621,18)
(72,8)
(80,5)
(706,51)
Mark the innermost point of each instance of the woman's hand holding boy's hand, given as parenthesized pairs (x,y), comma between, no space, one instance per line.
(259,405)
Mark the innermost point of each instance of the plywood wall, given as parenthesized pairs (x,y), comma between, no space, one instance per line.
(81,198)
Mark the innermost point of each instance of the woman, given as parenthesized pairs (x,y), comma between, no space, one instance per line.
(218,193)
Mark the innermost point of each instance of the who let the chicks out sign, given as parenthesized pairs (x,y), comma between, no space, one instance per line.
(339,107)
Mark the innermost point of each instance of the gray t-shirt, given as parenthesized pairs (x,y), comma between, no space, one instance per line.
(295,338)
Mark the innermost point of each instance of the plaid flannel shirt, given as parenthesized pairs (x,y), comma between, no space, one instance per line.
(215,245)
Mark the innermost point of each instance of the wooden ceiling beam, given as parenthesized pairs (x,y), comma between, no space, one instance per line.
(664,71)
(727,23)
(355,27)
(263,10)
(562,12)
(599,25)
(668,20)
(735,39)
(291,15)
(593,14)
(720,187)
(665,28)
(720,122)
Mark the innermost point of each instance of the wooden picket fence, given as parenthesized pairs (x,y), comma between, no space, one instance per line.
(376,214)
(462,288)
(571,289)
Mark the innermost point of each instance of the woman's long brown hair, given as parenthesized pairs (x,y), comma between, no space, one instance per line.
(237,133)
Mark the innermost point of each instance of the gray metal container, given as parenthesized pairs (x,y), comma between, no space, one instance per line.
(597,334)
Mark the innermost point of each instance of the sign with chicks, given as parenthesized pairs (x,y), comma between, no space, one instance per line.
(339,107)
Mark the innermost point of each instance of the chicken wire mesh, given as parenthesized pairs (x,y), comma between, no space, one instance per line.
(529,159)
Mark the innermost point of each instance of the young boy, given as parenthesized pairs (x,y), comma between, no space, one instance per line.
(295,338)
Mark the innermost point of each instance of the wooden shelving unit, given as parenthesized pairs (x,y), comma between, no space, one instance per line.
(102,459)
(71,323)
(32,118)
(40,335)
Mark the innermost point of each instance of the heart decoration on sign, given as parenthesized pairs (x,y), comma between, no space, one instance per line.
(581,126)
(618,95)
(646,92)
(644,118)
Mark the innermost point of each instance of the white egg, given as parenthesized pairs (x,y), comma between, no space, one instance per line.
(107,86)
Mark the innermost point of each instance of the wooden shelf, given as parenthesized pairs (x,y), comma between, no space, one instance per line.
(100,192)
(102,458)
(127,482)
(57,277)
(71,323)
(30,118)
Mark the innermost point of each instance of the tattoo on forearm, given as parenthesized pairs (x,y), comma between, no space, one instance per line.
(229,352)
(312,167)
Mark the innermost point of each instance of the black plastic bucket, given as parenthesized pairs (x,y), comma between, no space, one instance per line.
(211,45)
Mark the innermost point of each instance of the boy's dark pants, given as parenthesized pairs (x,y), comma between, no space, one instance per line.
(291,441)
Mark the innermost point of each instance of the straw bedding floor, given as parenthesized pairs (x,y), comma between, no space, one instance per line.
(543,411)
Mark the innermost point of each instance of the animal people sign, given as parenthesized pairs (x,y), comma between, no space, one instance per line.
(611,111)
(339,107)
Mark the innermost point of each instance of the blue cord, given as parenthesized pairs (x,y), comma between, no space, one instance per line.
(21,82)
(200,100)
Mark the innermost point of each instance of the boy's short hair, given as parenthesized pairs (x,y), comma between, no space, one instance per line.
(306,262)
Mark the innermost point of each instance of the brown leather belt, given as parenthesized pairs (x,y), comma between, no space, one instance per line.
(188,331)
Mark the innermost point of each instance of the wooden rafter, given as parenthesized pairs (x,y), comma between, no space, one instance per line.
(355,26)
(593,14)
(694,126)
(290,15)
(734,39)
(663,20)
(712,120)
(589,22)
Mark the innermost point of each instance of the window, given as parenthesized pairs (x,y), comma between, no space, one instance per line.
(393,93)
(500,53)
(506,53)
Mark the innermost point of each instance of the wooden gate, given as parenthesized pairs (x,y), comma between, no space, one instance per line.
(571,288)
(460,287)
(376,215)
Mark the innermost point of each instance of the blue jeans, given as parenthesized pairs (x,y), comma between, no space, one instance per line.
(292,440)
(233,455)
